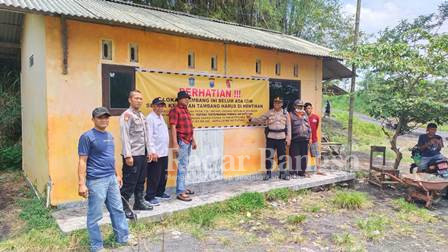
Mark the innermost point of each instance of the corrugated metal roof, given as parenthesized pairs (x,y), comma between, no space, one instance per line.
(170,21)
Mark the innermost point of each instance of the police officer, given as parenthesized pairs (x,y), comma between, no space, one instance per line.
(278,136)
(135,151)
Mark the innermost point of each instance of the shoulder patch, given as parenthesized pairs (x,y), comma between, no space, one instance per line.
(126,116)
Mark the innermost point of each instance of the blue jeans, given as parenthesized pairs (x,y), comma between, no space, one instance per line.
(105,190)
(183,159)
(425,161)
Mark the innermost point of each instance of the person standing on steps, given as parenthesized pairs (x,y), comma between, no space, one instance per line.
(135,152)
(300,138)
(278,136)
(314,121)
(99,182)
(183,141)
(157,167)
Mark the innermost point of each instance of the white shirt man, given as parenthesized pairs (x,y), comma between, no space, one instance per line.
(158,139)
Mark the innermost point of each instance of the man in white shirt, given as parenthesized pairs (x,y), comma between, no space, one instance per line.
(158,139)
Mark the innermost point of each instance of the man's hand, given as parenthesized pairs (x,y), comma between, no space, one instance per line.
(175,148)
(288,142)
(193,145)
(83,191)
(119,181)
(153,157)
(129,161)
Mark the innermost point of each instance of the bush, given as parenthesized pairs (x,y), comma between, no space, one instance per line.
(11,157)
(10,114)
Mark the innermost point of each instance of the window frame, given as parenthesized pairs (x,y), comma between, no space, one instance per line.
(258,66)
(110,44)
(105,70)
(214,59)
(192,65)
(295,70)
(136,52)
(279,70)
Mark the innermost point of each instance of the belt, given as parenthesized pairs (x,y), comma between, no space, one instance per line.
(276,130)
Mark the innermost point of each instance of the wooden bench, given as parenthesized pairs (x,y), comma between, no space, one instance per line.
(379,175)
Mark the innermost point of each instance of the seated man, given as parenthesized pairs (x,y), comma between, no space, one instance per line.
(430,145)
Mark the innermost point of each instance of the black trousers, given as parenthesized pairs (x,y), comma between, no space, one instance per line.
(134,177)
(278,145)
(299,157)
(157,177)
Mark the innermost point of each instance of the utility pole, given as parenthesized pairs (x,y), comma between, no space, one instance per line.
(352,88)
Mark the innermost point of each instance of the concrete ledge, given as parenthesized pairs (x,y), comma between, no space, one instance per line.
(72,219)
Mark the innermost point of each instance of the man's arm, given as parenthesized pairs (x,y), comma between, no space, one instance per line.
(82,173)
(259,120)
(151,138)
(421,143)
(124,133)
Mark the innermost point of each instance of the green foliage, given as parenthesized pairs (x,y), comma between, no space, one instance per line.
(344,239)
(10,114)
(374,226)
(349,199)
(11,157)
(248,201)
(319,21)
(278,194)
(36,215)
(296,219)
(408,66)
(410,212)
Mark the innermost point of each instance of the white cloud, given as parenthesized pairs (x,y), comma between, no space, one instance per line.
(373,20)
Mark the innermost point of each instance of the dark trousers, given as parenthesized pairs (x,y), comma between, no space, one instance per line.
(134,177)
(157,177)
(278,145)
(299,157)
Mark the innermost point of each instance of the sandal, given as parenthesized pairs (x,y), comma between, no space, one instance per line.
(189,192)
(183,197)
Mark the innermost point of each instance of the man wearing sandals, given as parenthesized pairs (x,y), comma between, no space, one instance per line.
(182,141)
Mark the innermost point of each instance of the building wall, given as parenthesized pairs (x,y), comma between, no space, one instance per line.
(71,97)
(34,102)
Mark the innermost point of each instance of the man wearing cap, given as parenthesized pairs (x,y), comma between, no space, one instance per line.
(98,180)
(278,136)
(182,141)
(158,139)
(135,152)
(300,138)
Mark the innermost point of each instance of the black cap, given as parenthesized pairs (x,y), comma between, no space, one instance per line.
(100,111)
(158,101)
(182,94)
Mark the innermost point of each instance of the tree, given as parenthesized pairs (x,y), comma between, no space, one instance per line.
(409,66)
(318,21)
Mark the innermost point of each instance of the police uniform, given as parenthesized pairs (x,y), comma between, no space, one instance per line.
(134,144)
(278,131)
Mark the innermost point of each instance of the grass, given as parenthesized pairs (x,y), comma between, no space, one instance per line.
(412,213)
(374,227)
(296,219)
(345,240)
(350,200)
(278,194)
(341,102)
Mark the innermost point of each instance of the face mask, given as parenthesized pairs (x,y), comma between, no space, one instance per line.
(300,110)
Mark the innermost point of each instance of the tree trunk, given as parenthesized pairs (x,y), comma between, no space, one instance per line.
(393,145)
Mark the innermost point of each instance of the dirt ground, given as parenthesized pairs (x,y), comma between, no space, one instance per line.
(321,227)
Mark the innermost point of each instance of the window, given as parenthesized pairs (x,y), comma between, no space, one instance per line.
(214,63)
(277,69)
(117,82)
(106,47)
(258,66)
(133,52)
(191,60)
(289,90)
(296,70)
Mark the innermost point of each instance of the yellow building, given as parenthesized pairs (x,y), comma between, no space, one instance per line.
(71,51)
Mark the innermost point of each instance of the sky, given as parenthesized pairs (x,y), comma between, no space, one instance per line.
(379,14)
